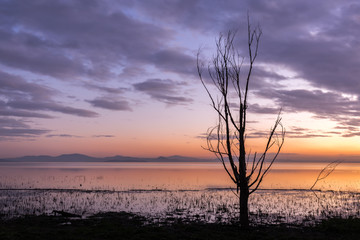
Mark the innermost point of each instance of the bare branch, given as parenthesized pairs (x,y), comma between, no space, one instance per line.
(227,139)
(326,171)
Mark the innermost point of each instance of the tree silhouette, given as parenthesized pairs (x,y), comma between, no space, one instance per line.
(227,139)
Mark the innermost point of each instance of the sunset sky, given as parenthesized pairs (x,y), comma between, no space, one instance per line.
(107,77)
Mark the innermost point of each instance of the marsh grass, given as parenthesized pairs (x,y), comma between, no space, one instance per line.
(292,207)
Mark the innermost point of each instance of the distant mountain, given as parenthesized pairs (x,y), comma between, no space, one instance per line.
(158,159)
(85,158)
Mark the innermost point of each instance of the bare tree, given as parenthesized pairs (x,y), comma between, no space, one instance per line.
(227,139)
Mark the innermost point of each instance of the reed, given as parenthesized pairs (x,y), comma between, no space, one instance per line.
(210,205)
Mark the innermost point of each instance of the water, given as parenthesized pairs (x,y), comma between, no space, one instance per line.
(167,176)
(163,191)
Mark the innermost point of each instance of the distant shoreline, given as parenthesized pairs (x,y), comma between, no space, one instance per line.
(161,159)
(118,158)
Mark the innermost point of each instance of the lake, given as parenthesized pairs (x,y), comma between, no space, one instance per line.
(200,191)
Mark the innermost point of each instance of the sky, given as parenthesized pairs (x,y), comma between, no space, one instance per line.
(107,77)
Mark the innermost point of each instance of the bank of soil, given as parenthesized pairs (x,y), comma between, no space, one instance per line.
(129,226)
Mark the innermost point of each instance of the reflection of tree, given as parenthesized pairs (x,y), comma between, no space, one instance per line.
(227,139)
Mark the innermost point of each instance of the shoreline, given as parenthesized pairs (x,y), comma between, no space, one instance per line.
(125,225)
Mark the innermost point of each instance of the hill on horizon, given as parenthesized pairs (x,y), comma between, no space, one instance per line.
(76,157)
(118,158)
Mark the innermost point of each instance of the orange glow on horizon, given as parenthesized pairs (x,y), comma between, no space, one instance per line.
(167,146)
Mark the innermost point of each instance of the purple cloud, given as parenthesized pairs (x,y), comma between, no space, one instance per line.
(121,105)
(62,136)
(51,106)
(23,98)
(103,136)
(21,132)
(163,90)
(10,128)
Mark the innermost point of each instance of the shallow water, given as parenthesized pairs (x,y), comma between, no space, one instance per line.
(167,176)
(163,191)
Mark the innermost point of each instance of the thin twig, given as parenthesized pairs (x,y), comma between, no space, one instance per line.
(326,171)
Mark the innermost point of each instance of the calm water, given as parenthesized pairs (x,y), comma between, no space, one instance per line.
(197,191)
(167,176)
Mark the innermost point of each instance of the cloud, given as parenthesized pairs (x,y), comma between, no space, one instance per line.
(256,108)
(316,42)
(4,111)
(201,15)
(352,134)
(297,134)
(13,86)
(10,128)
(174,60)
(163,90)
(66,39)
(43,44)
(324,105)
(22,98)
(291,134)
(294,132)
(103,136)
(12,123)
(21,132)
(110,90)
(62,136)
(331,105)
(130,72)
(51,106)
(110,104)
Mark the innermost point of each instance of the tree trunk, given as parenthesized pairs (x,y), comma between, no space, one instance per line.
(244,210)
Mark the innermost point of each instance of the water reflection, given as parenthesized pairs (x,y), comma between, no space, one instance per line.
(163,191)
(166,176)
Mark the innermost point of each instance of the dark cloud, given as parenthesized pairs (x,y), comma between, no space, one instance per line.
(21,132)
(166,91)
(24,98)
(62,136)
(51,106)
(110,104)
(12,123)
(103,136)
(323,104)
(306,134)
(64,39)
(348,131)
(174,60)
(94,41)
(291,134)
(5,111)
(16,52)
(10,128)
(256,108)
(320,44)
(130,72)
(201,15)
(352,134)
(109,90)
(13,86)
